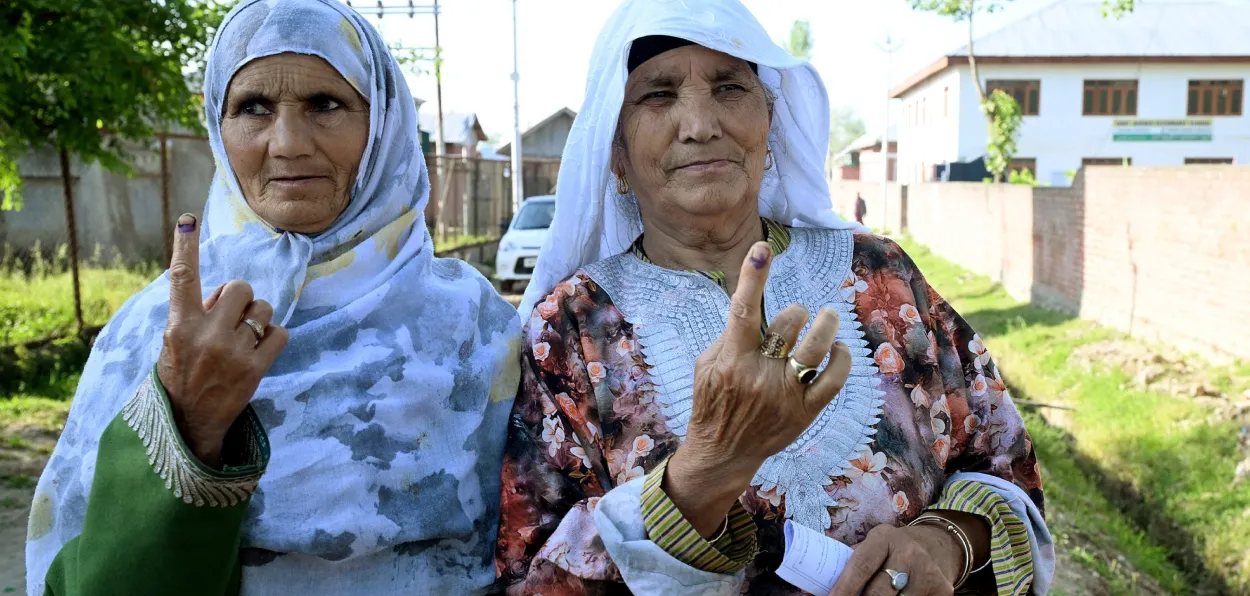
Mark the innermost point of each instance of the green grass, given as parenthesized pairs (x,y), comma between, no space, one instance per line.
(34,412)
(38,305)
(453,242)
(42,305)
(1126,460)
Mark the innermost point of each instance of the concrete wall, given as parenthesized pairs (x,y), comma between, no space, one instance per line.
(1060,136)
(1161,253)
(886,212)
(119,214)
(994,228)
(122,215)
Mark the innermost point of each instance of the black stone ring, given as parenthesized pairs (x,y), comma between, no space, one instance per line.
(805,374)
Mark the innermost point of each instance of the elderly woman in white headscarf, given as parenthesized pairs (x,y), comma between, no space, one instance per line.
(377,377)
(680,406)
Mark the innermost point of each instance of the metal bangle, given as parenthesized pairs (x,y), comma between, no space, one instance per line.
(724,527)
(964,542)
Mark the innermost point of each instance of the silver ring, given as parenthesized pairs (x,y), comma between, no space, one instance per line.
(804,373)
(257,328)
(898,579)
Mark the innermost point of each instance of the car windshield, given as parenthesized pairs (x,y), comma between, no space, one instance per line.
(535,215)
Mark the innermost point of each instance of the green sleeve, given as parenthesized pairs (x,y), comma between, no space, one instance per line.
(158,521)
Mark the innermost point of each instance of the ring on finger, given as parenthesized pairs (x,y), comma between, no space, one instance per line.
(804,373)
(898,579)
(774,346)
(256,327)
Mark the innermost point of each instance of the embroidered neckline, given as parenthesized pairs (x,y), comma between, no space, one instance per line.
(776,235)
(676,315)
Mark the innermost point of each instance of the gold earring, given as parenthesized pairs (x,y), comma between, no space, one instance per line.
(768,160)
(622,185)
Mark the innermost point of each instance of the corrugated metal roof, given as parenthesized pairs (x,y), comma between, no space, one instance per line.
(458,128)
(1155,28)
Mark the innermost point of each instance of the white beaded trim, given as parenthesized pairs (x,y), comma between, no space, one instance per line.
(150,417)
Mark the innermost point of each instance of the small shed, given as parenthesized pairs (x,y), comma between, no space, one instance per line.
(461,131)
(547,138)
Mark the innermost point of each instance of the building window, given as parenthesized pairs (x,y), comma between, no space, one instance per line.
(1202,161)
(1106,161)
(1027,93)
(946,102)
(1020,164)
(1215,98)
(1110,98)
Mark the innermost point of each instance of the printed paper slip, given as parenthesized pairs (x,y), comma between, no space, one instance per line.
(813,562)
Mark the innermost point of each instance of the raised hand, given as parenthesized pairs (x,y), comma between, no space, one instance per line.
(748,406)
(215,351)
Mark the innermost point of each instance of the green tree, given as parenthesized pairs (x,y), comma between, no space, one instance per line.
(1004,117)
(845,126)
(1001,141)
(411,60)
(1117,8)
(87,77)
(800,45)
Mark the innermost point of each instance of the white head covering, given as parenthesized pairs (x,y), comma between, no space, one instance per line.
(386,412)
(593,222)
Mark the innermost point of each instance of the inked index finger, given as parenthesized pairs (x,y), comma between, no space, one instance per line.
(745,317)
(184,271)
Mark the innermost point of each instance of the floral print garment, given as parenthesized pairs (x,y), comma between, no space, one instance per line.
(586,421)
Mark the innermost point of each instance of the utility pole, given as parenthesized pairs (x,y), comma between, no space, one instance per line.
(889,46)
(440,147)
(400,7)
(518,178)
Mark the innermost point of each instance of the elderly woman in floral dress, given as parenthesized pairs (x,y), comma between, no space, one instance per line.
(680,404)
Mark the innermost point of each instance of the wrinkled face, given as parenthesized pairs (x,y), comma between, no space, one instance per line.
(295,132)
(693,134)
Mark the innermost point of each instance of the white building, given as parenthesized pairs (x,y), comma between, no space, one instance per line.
(1162,86)
(861,160)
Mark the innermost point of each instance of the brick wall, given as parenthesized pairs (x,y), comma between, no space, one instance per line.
(1059,246)
(1167,254)
(1161,253)
(984,227)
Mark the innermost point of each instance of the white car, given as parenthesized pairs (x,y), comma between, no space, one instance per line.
(518,249)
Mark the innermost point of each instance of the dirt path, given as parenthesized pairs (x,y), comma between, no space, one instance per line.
(13,508)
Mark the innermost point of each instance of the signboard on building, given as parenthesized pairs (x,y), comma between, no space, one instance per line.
(1192,129)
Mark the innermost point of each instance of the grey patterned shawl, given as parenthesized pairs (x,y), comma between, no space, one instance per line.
(387,410)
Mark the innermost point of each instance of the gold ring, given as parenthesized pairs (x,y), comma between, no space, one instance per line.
(774,346)
(257,328)
(805,374)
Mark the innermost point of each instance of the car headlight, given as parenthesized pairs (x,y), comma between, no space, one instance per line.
(508,246)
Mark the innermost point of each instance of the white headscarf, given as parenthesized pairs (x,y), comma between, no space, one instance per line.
(593,222)
(386,412)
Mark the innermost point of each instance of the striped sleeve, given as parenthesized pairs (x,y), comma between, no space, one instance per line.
(1010,555)
(666,527)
